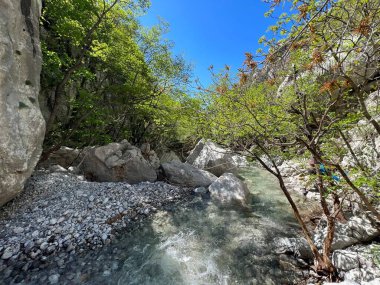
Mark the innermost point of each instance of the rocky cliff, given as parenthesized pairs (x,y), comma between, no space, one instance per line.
(22,125)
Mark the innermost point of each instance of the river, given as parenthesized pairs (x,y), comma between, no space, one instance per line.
(196,243)
(193,242)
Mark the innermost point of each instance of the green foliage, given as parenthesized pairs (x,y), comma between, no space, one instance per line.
(121,80)
(307,93)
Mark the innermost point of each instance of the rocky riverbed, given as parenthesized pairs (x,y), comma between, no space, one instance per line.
(60,215)
(192,241)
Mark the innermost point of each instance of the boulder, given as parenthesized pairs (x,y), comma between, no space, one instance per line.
(21,121)
(145,148)
(357,263)
(363,276)
(347,259)
(187,175)
(228,189)
(169,157)
(150,155)
(295,246)
(215,159)
(358,229)
(153,159)
(65,157)
(117,162)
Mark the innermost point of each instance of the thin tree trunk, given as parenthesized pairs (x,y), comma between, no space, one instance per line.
(367,115)
(366,202)
(338,213)
(358,163)
(58,97)
(301,222)
(327,243)
(318,260)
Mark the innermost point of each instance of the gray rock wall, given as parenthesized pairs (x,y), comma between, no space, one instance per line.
(22,126)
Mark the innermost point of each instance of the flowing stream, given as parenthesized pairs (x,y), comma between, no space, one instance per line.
(199,243)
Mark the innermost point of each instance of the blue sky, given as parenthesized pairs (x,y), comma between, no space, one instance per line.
(211,32)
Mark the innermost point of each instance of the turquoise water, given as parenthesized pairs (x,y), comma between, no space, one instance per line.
(199,243)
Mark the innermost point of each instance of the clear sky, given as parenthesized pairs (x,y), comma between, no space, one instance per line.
(211,32)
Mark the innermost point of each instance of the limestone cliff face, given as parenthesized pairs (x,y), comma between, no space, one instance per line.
(22,126)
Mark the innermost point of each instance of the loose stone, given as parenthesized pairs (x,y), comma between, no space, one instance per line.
(7,253)
(18,230)
(53,279)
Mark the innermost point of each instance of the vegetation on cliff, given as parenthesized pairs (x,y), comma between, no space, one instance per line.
(107,78)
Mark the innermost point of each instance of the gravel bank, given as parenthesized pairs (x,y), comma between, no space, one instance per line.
(60,215)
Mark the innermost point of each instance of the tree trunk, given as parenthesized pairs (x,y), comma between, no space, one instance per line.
(338,213)
(328,267)
(358,163)
(318,259)
(366,202)
(58,98)
(367,115)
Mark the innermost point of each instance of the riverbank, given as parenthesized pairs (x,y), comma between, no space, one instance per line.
(60,215)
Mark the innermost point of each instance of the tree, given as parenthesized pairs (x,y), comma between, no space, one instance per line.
(103,73)
(302,100)
(81,27)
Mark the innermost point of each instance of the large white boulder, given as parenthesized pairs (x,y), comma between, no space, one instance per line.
(117,162)
(357,264)
(187,175)
(358,229)
(357,257)
(215,159)
(229,190)
(22,125)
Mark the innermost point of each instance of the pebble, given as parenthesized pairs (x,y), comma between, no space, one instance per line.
(34,254)
(18,230)
(44,246)
(50,249)
(106,273)
(28,245)
(53,279)
(8,252)
(7,273)
(70,247)
(53,222)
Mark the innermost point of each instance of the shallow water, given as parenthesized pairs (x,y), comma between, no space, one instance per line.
(198,243)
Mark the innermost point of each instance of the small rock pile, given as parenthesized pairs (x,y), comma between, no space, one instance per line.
(60,214)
